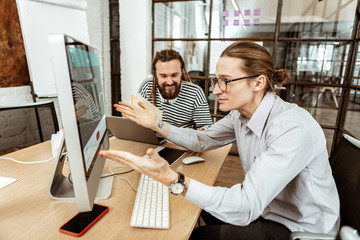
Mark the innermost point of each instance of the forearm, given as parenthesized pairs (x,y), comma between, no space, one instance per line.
(199,141)
(161,127)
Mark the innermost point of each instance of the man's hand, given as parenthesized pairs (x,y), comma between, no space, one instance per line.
(143,116)
(155,166)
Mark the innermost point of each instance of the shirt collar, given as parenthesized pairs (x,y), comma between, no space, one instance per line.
(258,120)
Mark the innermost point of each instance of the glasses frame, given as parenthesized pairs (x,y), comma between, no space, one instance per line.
(226,81)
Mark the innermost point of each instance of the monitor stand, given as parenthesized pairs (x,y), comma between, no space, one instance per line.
(62,189)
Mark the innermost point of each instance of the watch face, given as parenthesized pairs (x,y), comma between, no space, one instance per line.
(177,188)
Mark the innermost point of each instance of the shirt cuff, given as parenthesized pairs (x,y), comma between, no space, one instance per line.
(198,193)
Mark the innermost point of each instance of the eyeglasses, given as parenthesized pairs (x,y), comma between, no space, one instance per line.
(222,82)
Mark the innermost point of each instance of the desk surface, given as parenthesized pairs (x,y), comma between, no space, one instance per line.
(28,212)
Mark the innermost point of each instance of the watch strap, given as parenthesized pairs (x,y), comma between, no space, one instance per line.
(179,180)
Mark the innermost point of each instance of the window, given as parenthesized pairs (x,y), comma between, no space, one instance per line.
(312,40)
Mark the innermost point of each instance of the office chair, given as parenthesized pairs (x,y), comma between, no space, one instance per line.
(26,124)
(345,165)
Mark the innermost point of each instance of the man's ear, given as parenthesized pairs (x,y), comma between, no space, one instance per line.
(259,83)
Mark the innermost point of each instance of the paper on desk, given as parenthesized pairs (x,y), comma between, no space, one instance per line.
(4,181)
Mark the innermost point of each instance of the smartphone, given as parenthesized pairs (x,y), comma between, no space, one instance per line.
(81,222)
(172,155)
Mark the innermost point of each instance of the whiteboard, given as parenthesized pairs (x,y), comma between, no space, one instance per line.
(38,19)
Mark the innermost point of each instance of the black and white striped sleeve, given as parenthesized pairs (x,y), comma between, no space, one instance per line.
(201,116)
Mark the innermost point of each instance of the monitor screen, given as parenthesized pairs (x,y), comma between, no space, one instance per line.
(87,94)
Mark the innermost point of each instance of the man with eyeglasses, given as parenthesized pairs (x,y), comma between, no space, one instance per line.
(182,102)
(288,184)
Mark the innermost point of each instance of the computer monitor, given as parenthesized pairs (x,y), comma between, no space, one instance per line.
(77,75)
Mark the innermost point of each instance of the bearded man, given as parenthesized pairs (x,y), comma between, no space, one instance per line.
(183,103)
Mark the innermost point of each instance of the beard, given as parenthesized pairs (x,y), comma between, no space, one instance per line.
(169,94)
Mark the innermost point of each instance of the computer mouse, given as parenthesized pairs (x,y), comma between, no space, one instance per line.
(192,159)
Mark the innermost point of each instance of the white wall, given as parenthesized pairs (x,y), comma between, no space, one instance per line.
(135,44)
(99,34)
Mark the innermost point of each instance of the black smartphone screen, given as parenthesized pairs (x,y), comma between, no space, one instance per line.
(171,154)
(81,222)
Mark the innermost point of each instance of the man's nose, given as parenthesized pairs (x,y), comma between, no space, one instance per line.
(169,80)
(217,90)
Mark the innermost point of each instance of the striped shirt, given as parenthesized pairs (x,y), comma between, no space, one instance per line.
(288,177)
(189,110)
(80,92)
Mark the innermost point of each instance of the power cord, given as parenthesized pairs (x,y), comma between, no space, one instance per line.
(22,162)
(113,174)
(122,178)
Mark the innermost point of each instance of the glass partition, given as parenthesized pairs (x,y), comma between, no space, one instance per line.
(356,75)
(314,41)
(314,61)
(353,114)
(243,18)
(188,19)
(317,19)
(193,52)
(217,47)
(321,101)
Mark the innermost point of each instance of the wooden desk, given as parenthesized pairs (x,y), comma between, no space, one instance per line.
(28,212)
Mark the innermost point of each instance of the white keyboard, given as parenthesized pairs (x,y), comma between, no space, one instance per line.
(151,207)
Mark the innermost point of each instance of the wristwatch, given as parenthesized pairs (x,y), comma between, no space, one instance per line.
(178,186)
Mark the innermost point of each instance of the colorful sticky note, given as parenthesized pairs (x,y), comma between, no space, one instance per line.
(236,22)
(256,21)
(257,11)
(225,22)
(236,13)
(225,13)
(247,12)
(246,22)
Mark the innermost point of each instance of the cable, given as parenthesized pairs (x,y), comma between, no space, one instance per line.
(114,174)
(122,178)
(43,161)
(22,162)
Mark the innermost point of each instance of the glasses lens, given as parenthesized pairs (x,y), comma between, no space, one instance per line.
(222,85)
(213,82)
(220,82)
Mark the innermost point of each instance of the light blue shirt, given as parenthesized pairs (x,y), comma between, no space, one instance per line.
(288,177)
